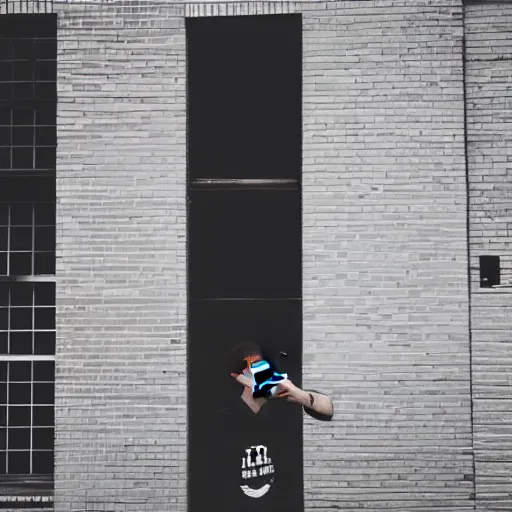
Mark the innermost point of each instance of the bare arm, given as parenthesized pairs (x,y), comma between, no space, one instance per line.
(315,404)
(322,408)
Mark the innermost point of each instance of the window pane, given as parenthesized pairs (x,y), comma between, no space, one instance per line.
(3,438)
(22,158)
(3,393)
(23,136)
(45,157)
(19,438)
(23,91)
(45,214)
(6,91)
(4,295)
(46,49)
(5,114)
(3,371)
(3,468)
(3,264)
(21,318)
(5,133)
(43,416)
(6,71)
(46,136)
(5,157)
(21,214)
(3,415)
(20,343)
(23,115)
(3,238)
(18,463)
(20,263)
(20,371)
(19,393)
(45,239)
(46,70)
(23,48)
(42,462)
(3,343)
(4,322)
(4,214)
(44,371)
(44,263)
(6,48)
(21,239)
(46,91)
(45,318)
(19,416)
(45,294)
(42,438)
(21,294)
(23,71)
(43,394)
(46,114)
(44,343)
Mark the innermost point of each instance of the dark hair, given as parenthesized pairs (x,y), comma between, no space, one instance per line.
(235,355)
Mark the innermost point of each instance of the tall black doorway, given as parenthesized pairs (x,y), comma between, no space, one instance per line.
(244,236)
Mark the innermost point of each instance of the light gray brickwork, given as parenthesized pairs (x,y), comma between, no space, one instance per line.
(488,29)
(385,256)
(385,288)
(385,253)
(121,406)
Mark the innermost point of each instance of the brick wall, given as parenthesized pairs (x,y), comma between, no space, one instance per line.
(489,128)
(121,256)
(385,257)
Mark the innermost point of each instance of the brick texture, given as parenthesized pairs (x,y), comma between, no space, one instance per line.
(385,258)
(386,325)
(489,129)
(121,259)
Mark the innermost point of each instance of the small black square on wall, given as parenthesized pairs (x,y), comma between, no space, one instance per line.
(489,271)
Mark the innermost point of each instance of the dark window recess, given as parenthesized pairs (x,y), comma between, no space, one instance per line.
(27,225)
(489,271)
(28,73)
(246,122)
(245,244)
(27,320)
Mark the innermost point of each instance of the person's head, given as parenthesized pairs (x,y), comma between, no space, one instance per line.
(241,355)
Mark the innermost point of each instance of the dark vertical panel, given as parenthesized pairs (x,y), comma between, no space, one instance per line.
(245,97)
(28,77)
(245,244)
(244,262)
(489,271)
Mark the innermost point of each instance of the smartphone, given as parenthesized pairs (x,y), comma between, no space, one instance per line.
(266,379)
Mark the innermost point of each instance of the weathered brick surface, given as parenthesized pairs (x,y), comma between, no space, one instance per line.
(386,329)
(489,114)
(121,375)
(385,284)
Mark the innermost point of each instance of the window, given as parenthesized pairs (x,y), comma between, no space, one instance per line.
(28,73)
(27,256)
